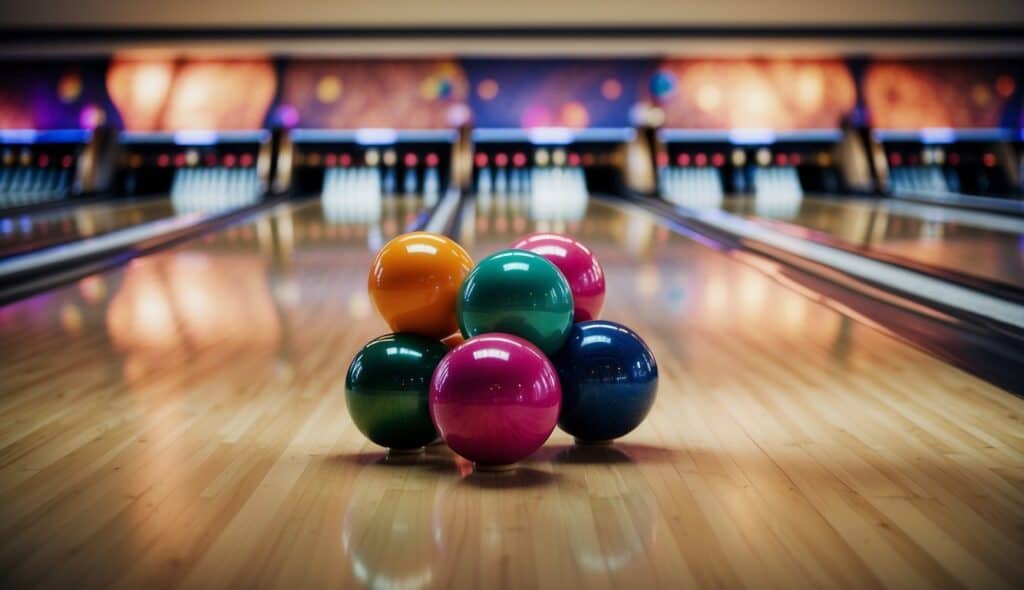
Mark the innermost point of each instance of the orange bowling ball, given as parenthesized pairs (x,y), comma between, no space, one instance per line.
(414,282)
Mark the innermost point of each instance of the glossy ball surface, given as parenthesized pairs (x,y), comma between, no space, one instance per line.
(520,293)
(579,266)
(609,380)
(414,281)
(387,388)
(495,399)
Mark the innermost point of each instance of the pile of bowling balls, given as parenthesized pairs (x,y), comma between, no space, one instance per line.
(490,357)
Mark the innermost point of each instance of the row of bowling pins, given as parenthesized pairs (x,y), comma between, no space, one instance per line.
(558,193)
(538,207)
(209,190)
(355,194)
(781,183)
(352,195)
(501,180)
(918,179)
(413,182)
(697,188)
(777,193)
(28,186)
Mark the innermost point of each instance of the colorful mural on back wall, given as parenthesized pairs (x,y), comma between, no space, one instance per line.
(54,95)
(907,94)
(171,95)
(403,94)
(779,94)
(783,94)
(554,92)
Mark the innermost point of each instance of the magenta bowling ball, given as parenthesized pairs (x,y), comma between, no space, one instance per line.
(495,399)
(578,264)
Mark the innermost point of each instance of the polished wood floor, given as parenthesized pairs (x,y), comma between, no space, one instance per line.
(181,423)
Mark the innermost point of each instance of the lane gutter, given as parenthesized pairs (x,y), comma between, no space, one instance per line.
(979,332)
(30,273)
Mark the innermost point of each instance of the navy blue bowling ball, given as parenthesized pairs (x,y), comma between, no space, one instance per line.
(609,380)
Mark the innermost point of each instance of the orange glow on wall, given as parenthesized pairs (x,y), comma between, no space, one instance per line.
(919,94)
(757,93)
(168,95)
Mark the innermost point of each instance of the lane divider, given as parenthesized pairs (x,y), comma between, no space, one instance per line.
(26,274)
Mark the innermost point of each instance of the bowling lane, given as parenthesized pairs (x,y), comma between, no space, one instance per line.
(181,423)
(21,233)
(984,245)
(790,445)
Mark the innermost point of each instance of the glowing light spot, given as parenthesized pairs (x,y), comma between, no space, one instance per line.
(328,89)
(91,117)
(429,88)
(536,115)
(709,97)
(611,89)
(810,88)
(487,89)
(69,87)
(1005,86)
(287,115)
(71,319)
(574,115)
(981,95)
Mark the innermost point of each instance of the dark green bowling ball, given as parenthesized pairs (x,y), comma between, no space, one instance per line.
(520,293)
(387,387)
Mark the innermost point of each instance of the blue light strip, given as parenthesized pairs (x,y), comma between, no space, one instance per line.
(749,136)
(943,135)
(195,137)
(32,136)
(372,136)
(553,135)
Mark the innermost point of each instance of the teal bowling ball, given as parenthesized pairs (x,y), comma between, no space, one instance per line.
(520,293)
(387,388)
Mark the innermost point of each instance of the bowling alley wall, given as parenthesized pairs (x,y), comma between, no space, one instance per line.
(172,94)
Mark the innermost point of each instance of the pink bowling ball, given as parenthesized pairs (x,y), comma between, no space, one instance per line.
(578,264)
(495,399)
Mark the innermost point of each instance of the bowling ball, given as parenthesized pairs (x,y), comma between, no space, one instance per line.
(579,266)
(520,293)
(609,379)
(414,281)
(387,387)
(495,399)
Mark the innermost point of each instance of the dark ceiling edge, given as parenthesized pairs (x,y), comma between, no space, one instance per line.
(11,35)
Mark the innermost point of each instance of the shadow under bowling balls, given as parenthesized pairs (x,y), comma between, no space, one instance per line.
(520,477)
(592,455)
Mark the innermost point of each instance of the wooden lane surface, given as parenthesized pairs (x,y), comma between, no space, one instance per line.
(188,430)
